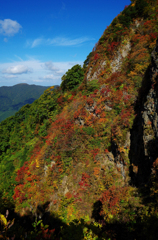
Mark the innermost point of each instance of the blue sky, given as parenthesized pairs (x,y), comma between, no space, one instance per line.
(41,39)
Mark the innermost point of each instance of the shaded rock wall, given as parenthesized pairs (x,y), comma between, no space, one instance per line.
(144,134)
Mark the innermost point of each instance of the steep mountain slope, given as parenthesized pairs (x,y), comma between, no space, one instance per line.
(13,98)
(88,156)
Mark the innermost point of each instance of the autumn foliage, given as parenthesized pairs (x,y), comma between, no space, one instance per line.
(70,147)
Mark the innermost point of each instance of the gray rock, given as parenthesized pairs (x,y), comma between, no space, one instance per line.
(107,108)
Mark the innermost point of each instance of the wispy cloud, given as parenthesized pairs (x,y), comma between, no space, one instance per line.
(37,42)
(18,69)
(9,27)
(58,41)
(19,58)
(10,76)
(51,77)
(56,70)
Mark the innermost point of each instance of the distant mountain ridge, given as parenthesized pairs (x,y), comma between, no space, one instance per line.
(14,97)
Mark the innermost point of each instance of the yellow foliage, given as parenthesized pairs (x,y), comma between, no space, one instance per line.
(122,149)
(101,187)
(55,184)
(3,220)
(37,162)
(140,68)
(71,213)
(110,216)
(152,44)
(132,73)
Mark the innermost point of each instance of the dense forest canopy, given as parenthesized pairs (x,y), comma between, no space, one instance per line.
(13,98)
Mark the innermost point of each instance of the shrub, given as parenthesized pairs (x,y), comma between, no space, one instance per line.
(92,85)
(89,130)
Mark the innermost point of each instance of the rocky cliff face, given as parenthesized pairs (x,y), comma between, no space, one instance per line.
(144,134)
(142,140)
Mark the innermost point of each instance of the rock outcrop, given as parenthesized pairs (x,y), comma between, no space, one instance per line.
(144,134)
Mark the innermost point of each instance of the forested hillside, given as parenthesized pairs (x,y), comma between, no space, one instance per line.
(13,98)
(81,162)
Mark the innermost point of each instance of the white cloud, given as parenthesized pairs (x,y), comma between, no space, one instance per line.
(18,69)
(58,71)
(43,73)
(58,41)
(50,66)
(9,27)
(37,42)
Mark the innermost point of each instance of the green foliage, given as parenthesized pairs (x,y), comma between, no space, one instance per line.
(89,130)
(96,142)
(72,78)
(92,86)
(18,135)
(43,129)
(140,7)
(86,62)
(127,16)
(13,98)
